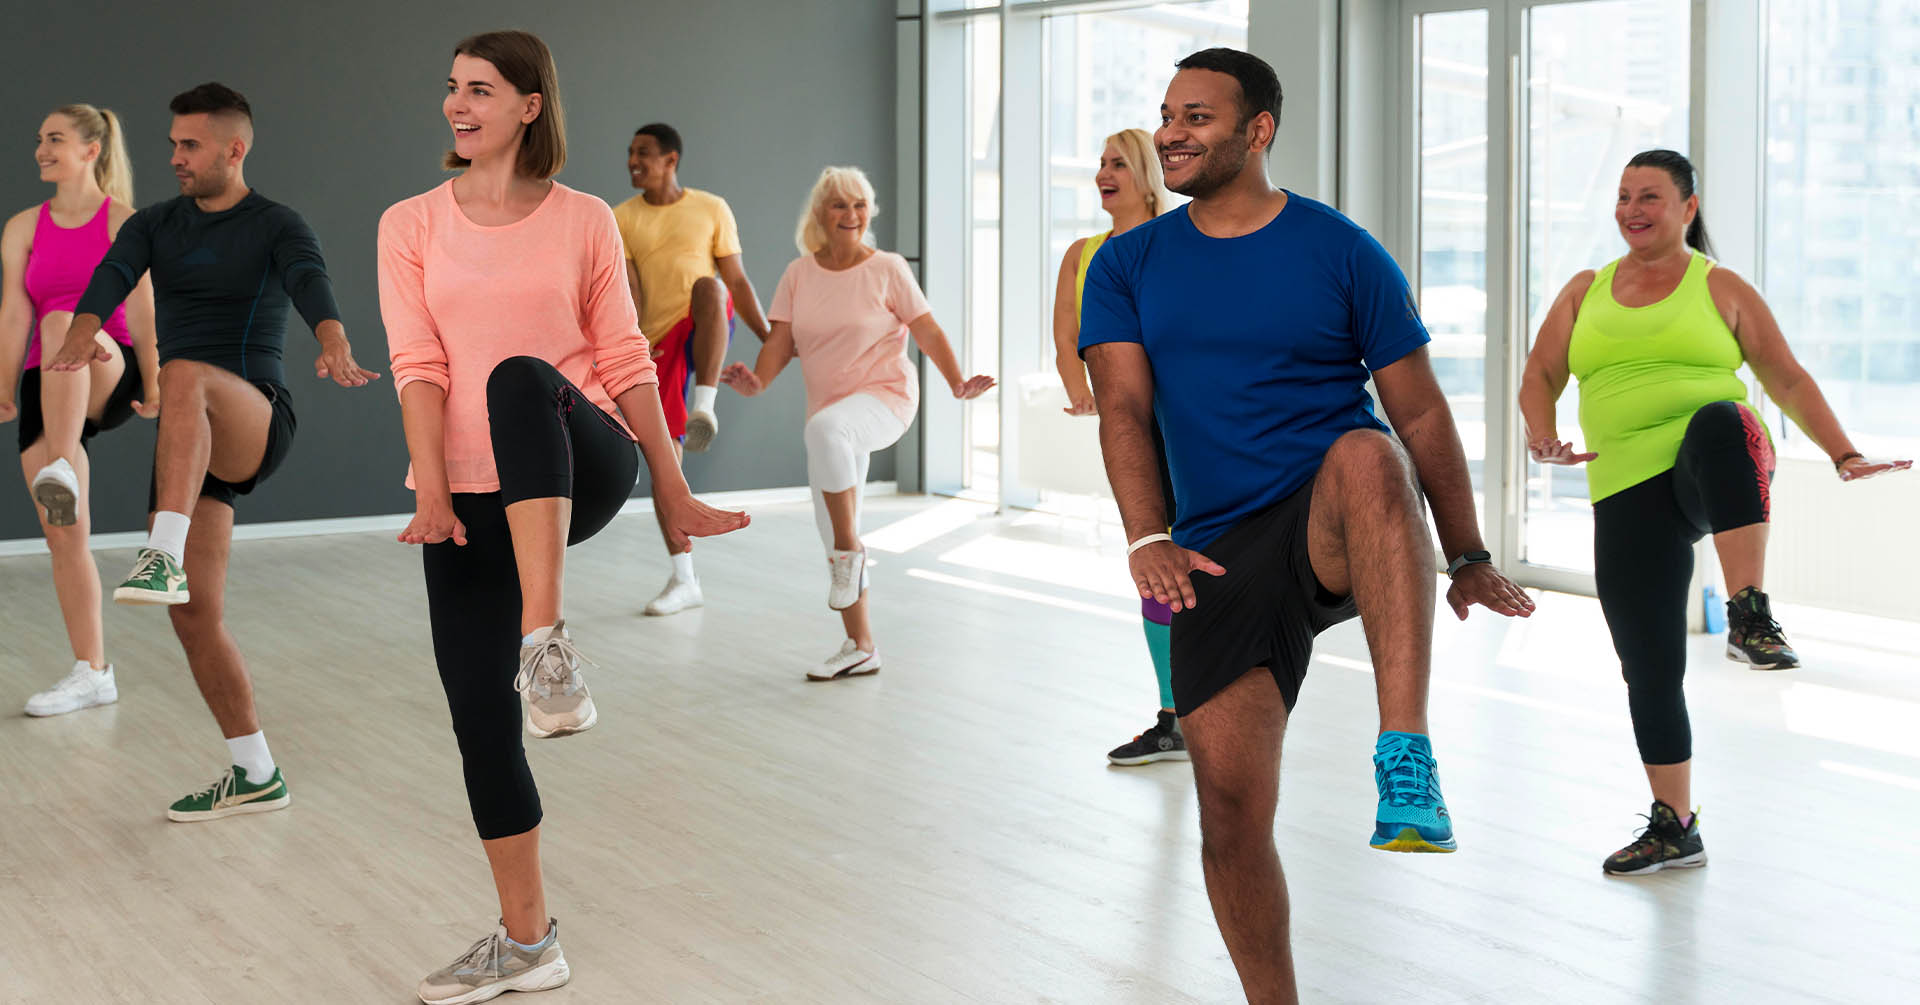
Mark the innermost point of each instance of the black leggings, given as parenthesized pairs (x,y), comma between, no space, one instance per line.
(1643,541)
(548,441)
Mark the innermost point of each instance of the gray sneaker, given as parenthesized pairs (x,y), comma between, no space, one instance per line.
(493,966)
(549,679)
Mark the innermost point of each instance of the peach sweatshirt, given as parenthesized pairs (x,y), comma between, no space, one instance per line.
(457,298)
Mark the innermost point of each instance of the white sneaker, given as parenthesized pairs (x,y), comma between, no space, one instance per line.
(849,570)
(850,661)
(678,595)
(82,687)
(558,702)
(57,488)
(702,427)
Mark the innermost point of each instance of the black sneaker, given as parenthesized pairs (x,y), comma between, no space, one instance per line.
(1753,637)
(1663,845)
(1161,743)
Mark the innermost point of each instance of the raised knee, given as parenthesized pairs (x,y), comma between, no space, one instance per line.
(1369,457)
(515,376)
(53,331)
(708,293)
(182,378)
(819,434)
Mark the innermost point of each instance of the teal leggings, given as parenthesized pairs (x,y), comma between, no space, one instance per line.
(1159,646)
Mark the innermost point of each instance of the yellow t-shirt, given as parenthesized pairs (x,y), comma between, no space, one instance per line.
(672,246)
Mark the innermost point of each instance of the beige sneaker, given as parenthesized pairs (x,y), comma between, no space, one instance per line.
(549,679)
(494,966)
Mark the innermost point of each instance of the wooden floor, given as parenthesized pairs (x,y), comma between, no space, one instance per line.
(947,831)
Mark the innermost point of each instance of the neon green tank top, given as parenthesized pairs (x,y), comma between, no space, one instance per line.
(1086,259)
(1644,371)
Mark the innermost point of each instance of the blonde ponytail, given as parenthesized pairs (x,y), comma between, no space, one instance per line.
(113,170)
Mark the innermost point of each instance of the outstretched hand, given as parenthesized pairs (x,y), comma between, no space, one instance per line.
(1856,468)
(1162,571)
(1549,450)
(741,378)
(1481,583)
(336,361)
(973,387)
(682,518)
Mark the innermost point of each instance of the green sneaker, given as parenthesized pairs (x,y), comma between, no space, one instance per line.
(156,579)
(230,795)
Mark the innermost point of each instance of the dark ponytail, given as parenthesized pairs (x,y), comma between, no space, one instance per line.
(1680,169)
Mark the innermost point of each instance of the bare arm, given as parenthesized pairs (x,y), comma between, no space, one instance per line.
(633,286)
(1123,382)
(1418,412)
(16,313)
(423,417)
(934,345)
(1547,373)
(746,302)
(775,354)
(1417,409)
(1066,336)
(1785,380)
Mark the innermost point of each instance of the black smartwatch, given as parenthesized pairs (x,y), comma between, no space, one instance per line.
(1470,558)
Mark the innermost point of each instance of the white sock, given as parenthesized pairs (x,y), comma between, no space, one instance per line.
(703,395)
(683,567)
(250,752)
(169,534)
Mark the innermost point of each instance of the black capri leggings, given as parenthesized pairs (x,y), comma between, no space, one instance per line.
(1643,560)
(549,441)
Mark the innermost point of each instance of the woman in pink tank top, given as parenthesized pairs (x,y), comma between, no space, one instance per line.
(48,253)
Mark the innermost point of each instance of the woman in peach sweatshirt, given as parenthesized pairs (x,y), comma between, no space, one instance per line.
(847,309)
(513,337)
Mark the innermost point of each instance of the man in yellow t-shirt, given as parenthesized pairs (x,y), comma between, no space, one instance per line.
(676,240)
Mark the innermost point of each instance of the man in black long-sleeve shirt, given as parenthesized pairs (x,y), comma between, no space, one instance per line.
(227,263)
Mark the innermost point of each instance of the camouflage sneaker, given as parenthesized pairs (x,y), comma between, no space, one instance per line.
(494,966)
(1753,637)
(1663,845)
(231,795)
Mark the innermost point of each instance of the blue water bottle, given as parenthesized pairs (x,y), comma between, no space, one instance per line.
(1716,609)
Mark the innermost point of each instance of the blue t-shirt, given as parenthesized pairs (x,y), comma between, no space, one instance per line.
(1260,345)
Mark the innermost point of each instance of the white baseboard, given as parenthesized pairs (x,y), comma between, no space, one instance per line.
(397,521)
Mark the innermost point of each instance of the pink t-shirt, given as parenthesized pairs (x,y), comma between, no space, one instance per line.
(457,298)
(850,329)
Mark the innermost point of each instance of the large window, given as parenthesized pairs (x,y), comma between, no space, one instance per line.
(1842,207)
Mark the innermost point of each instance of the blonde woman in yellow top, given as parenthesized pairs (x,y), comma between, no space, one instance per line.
(1131,193)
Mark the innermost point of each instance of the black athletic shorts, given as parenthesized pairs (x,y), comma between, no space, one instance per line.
(280,429)
(119,406)
(1264,612)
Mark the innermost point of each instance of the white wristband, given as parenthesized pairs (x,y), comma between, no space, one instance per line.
(1149,539)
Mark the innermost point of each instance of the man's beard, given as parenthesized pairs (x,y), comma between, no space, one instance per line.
(201,186)
(1218,167)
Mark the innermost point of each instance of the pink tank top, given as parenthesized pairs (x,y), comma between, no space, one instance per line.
(59,265)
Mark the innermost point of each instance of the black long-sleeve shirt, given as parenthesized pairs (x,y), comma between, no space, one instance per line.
(222,282)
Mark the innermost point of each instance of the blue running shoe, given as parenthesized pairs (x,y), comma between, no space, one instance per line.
(1412,814)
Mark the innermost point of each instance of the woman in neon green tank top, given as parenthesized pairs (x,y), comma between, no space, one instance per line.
(1131,193)
(1674,452)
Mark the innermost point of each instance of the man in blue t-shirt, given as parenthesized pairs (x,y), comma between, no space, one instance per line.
(1248,323)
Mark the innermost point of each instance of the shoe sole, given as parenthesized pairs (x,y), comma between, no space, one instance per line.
(1737,656)
(1158,755)
(260,806)
(59,501)
(140,596)
(1409,840)
(95,703)
(541,978)
(700,435)
(535,731)
(1693,861)
(856,670)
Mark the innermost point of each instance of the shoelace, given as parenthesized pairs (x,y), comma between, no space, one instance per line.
(1649,839)
(149,565)
(220,789)
(483,957)
(554,674)
(1407,776)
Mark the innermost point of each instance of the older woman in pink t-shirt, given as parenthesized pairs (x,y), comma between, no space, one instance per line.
(846,310)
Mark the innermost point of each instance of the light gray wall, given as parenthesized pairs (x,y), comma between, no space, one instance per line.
(346,97)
